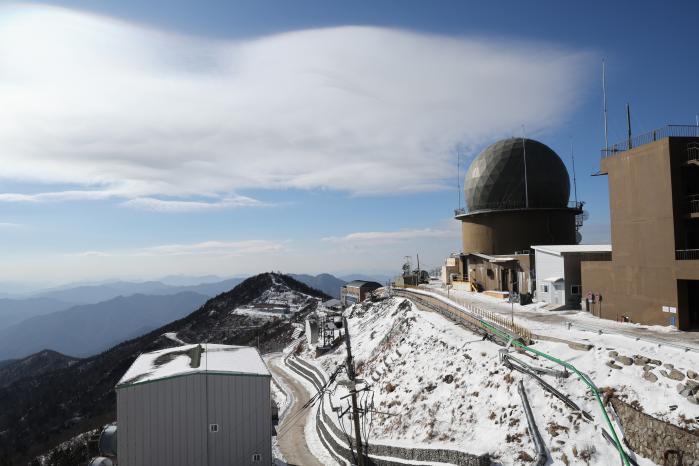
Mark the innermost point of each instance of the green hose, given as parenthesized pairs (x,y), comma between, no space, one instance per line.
(583,377)
(580,375)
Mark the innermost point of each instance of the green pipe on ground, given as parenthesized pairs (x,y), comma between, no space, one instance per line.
(586,380)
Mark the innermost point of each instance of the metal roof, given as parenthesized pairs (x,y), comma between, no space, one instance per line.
(574,248)
(194,359)
(553,279)
(361,283)
(492,258)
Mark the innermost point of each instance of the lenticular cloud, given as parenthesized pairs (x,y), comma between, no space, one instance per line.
(98,104)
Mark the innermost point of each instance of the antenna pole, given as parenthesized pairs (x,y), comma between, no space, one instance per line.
(458,175)
(604,104)
(526,186)
(575,183)
(628,123)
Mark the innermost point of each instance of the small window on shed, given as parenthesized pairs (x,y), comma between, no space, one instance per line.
(575,289)
(213,428)
(256,458)
(545,288)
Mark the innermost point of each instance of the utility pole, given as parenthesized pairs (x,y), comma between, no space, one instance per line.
(353,390)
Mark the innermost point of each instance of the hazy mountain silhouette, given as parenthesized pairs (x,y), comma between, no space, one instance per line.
(88,329)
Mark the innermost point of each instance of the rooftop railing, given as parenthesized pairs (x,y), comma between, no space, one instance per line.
(687,254)
(683,131)
(514,206)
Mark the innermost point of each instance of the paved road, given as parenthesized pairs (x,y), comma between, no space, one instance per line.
(581,321)
(292,443)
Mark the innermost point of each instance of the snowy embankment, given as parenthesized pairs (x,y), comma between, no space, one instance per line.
(435,384)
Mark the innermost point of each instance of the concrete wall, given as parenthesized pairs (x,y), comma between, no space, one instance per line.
(166,422)
(646,219)
(506,232)
(652,438)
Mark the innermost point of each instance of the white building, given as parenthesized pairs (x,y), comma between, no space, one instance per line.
(195,405)
(557,268)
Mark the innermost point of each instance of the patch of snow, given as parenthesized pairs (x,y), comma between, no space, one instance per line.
(177,361)
(173,336)
(435,384)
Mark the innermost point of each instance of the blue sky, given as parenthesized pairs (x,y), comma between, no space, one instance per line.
(143,139)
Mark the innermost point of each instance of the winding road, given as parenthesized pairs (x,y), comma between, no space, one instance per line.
(292,442)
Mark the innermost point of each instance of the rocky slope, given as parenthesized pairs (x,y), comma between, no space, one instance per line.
(38,412)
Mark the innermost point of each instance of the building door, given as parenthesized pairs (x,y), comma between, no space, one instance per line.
(688,300)
(557,292)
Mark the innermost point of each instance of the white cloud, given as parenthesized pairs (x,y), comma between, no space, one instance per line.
(10,226)
(215,248)
(391,236)
(89,101)
(59,196)
(160,205)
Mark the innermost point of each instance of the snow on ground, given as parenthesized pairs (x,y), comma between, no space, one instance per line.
(436,384)
(173,336)
(656,398)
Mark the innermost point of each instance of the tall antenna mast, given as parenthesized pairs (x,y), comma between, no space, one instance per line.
(458,175)
(604,104)
(628,123)
(575,183)
(524,153)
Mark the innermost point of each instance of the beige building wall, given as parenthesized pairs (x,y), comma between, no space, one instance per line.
(647,221)
(510,231)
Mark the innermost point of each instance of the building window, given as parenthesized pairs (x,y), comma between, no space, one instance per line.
(256,458)
(213,428)
(575,289)
(545,288)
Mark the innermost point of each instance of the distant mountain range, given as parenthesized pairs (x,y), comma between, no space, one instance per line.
(95,293)
(42,409)
(328,284)
(87,329)
(13,311)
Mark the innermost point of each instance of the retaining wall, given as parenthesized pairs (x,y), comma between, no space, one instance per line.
(654,439)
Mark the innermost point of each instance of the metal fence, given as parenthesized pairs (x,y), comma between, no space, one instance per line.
(516,205)
(687,254)
(495,318)
(693,204)
(685,131)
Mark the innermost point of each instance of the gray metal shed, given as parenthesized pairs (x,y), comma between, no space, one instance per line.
(195,405)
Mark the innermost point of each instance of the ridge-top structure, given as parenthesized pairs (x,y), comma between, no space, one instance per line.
(517,193)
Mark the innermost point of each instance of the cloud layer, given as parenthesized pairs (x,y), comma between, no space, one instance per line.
(119,110)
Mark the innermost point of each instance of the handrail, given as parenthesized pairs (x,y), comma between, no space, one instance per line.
(585,379)
(516,205)
(687,254)
(651,136)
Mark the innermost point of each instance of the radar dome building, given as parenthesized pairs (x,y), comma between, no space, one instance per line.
(517,194)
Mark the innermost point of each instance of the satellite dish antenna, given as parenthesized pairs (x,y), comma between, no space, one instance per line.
(578,237)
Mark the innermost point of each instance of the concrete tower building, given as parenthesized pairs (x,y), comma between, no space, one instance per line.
(517,194)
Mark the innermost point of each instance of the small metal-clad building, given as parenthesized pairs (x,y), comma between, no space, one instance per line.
(195,405)
(558,271)
(356,291)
